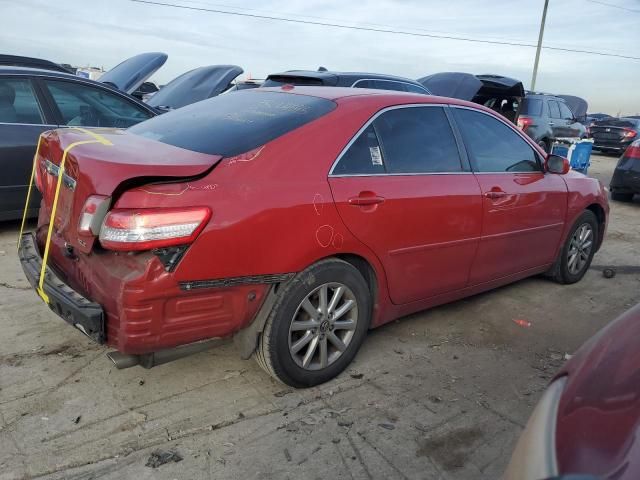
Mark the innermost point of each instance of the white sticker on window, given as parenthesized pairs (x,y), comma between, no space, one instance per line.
(376,157)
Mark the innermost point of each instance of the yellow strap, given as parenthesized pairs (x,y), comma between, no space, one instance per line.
(96,136)
(26,206)
(52,219)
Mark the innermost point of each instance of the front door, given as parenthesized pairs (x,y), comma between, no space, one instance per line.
(21,123)
(402,189)
(524,208)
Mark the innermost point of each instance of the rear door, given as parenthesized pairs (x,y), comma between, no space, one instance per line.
(573,128)
(403,189)
(22,120)
(524,208)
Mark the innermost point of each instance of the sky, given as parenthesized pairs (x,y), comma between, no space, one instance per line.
(103,33)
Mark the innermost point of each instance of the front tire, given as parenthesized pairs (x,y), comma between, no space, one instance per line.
(317,324)
(578,250)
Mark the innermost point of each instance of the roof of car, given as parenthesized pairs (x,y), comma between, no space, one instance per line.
(6,69)
(325,75)
(332,93)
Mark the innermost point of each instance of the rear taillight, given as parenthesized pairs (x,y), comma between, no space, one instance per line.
(92,214)
(524,122)
(633,151)
(150,228)
(628,133)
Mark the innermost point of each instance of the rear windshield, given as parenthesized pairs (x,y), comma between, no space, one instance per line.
(235,123)
(531,106)
(618,122)
(277,81)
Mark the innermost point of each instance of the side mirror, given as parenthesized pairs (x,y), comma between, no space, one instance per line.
(556,164)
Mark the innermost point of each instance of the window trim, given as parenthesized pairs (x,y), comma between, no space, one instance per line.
(464,161)
(353,85)
(521,134)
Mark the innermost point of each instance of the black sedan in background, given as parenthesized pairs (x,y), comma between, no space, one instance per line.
(35,100)
(625,182)
(614,135)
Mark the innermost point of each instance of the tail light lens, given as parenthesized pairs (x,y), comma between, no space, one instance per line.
(92,214)
(147,229)
(634,150)
(524,122)
(628,133)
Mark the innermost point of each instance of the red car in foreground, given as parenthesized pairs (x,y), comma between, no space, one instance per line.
(295,219)
(586,424)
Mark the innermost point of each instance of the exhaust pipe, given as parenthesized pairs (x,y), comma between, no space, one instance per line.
(148,360)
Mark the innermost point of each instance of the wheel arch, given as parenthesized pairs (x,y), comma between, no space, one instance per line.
(600,214)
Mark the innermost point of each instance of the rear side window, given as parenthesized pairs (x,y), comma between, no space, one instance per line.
(554,109)
(531,106)
(418,140)
(381,85)
(493,146)
(403,141)
(18,102)
(363,157)
(235,123)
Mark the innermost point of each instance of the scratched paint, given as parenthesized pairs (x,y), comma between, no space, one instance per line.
(249,156)
(324,235)
(318,203)
(337,240)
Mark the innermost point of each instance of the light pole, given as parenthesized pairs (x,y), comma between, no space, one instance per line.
(535,64)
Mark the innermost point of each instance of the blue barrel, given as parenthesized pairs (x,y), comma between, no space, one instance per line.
(581,156)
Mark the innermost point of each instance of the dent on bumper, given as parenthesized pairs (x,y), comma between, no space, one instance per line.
(72,307)
(145,309)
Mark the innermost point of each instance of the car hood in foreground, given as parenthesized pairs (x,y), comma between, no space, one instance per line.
(195,85)
(599,414)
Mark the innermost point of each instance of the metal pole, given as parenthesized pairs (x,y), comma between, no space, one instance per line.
(535,64)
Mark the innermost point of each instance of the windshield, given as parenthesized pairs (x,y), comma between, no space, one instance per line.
(236,123)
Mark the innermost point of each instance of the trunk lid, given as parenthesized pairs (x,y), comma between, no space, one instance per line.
(105,167)
(130,74)
(195,85)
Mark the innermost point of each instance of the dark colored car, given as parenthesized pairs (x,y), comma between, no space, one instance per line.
(35,100)
(195,85)
(501,94)
(625,182)
(30,62)
(585,426)
(325,78)
(614,135)
(546,117)
(295,219)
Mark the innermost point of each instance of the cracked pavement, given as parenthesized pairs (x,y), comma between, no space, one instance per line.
(443,393)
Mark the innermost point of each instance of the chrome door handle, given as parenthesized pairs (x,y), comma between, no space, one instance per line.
(362,200)
(495,195)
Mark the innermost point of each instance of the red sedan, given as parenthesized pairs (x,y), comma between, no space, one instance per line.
(295,219)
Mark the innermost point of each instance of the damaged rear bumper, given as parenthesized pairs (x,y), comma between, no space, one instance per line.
(84,314)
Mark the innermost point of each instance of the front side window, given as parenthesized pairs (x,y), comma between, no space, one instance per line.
(18,103)
(493,146)
(85,106)
(418,140)
(565,112)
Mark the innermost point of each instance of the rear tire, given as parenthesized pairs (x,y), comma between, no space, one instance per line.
(310,336)
(622,197)
(578,250)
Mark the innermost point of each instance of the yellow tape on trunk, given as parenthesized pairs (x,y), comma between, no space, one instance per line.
(26,206)
(96,139)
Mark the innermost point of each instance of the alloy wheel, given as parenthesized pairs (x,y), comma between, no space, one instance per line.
(580,248)
(323,326)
